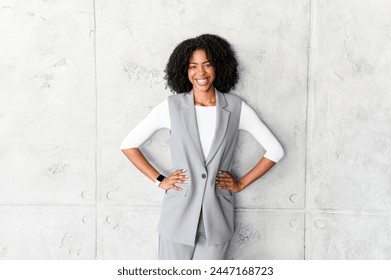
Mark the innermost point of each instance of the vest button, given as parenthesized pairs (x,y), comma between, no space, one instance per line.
(203,175)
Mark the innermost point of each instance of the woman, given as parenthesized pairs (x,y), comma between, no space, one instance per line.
(197,216)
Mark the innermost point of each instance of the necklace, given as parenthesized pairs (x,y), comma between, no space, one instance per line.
(212,101)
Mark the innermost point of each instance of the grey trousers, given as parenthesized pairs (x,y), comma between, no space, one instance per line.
(170,250)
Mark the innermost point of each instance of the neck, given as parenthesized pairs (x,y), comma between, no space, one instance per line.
(205,98)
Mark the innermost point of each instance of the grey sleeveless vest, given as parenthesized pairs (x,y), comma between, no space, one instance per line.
(181,209)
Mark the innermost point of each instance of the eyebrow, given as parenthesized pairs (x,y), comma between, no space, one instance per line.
(191,62)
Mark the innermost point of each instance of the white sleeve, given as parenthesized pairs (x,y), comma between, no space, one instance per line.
(159,117)
(250,122)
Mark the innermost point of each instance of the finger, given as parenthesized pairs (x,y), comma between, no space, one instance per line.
(227,183)
(176,188)
(179,181)
(224,182)
(221,172)
(181,176)
(176,176)
(225,179)
(176,172)
(224,173)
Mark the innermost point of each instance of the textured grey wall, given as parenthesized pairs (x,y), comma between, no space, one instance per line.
(76,76)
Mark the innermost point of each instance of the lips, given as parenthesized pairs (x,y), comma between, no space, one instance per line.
(202,82)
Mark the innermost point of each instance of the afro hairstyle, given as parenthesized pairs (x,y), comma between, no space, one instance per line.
(220,54)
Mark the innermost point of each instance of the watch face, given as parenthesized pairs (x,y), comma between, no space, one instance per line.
(160,178)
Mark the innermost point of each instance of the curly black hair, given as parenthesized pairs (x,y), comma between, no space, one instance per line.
(218,51)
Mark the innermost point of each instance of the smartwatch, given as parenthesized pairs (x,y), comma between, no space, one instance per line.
(159,179)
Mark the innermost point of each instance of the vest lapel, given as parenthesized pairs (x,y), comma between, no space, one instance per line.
(189,119)
(222,118)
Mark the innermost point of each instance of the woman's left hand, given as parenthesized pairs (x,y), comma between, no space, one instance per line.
(228,182)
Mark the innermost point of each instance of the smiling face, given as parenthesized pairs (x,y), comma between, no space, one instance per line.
(201,72)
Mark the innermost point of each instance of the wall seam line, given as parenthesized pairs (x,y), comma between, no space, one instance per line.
(96,136)
(309,71)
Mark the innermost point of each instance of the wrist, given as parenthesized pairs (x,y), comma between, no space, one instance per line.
(242,185)
(159,179)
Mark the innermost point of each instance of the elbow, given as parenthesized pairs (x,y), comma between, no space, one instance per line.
(129,152)
(276,155)
(280,154)
(125,146)
(122,147)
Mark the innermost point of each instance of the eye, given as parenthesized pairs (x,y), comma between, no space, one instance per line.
(207,65)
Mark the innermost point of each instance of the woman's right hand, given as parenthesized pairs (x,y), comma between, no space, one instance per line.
(175,177)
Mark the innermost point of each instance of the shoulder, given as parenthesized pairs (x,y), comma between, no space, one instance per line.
(232,97)
(178,97)
(234,101)
(173,97)
(248,110)
(177,100)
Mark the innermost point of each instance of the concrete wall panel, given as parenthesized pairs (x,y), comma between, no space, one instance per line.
(349,115)
(266,235)
(348,237)
(131,82)
(128,233)
(47,103)
(41,232)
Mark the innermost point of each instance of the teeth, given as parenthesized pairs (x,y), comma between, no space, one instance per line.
(202,82)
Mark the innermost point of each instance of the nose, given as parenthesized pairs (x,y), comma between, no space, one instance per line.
(201,70)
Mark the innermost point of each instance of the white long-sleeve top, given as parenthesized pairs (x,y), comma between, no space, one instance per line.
(159,117)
